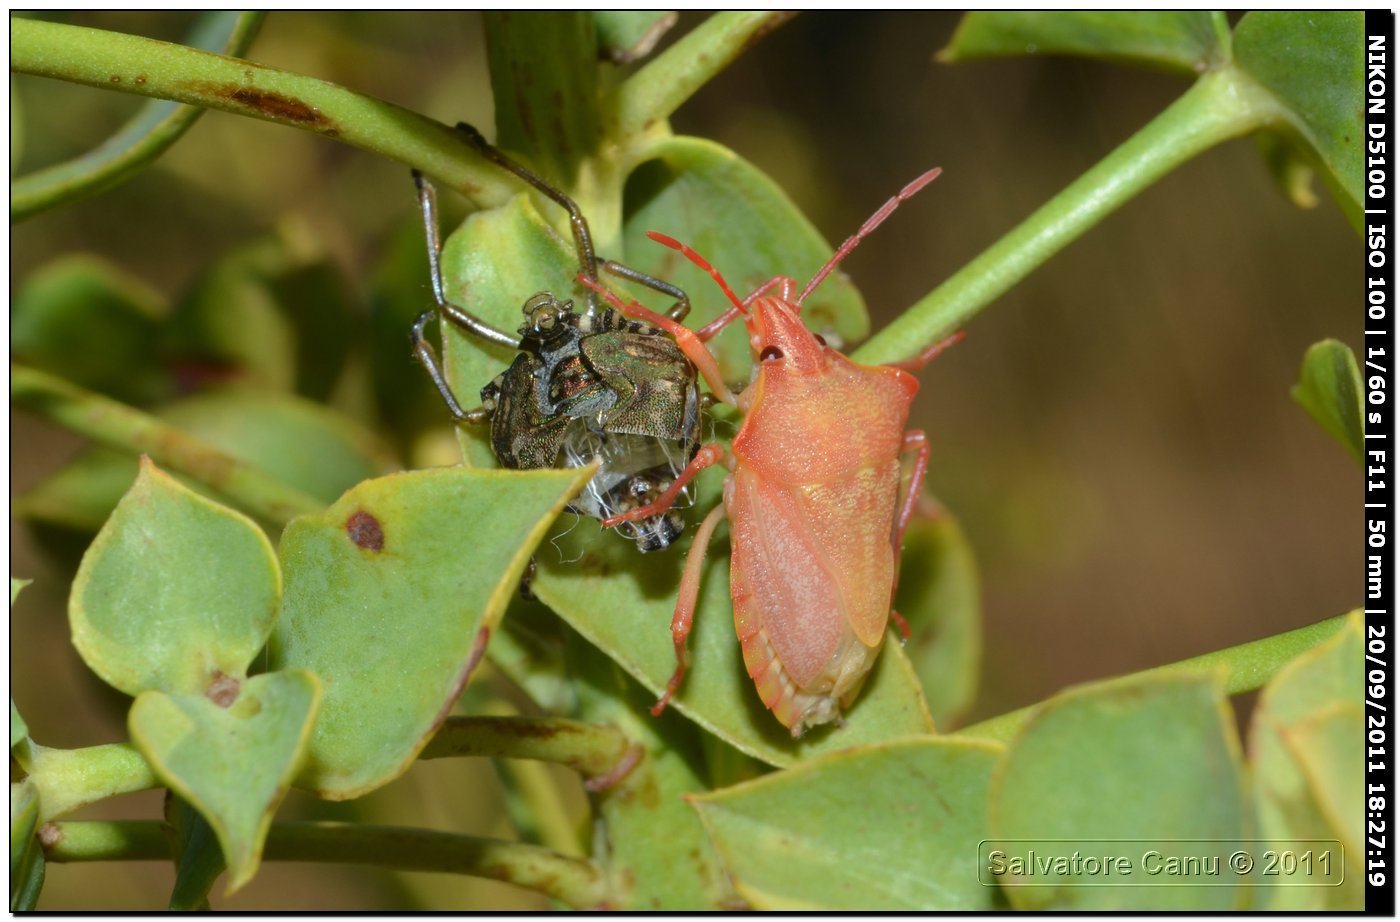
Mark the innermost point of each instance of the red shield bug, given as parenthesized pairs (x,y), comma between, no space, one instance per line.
(584,386)
(816,512)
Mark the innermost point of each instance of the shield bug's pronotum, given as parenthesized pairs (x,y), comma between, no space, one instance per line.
(584,385)
(816,511)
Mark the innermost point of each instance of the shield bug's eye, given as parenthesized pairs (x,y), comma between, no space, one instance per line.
(821,339)
(770,353)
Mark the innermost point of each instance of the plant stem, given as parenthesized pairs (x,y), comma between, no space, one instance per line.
(133,64)
(128,429)
(658,89)
(1248,666)
(140,141)
(574,881)
(544,80)
(1221,105)
(71,778)
(593,750)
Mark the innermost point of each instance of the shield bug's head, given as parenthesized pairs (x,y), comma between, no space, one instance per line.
(780,339)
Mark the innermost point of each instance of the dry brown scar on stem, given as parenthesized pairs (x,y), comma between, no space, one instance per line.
(365,531)
(273,105)
(223,689)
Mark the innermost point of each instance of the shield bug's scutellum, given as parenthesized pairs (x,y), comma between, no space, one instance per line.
(584,385)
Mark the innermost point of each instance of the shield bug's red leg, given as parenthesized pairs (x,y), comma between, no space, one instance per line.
(915,441)
(929,354)
(685,338)
(685,603)
(706,456)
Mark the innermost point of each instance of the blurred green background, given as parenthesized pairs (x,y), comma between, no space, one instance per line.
(1115,434)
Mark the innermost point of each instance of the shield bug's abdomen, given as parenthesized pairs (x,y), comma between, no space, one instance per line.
(812,514)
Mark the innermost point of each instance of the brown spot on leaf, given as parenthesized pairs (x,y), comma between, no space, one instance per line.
(365,531)
(223,689)
(115,78)
(50,835)
(140,80)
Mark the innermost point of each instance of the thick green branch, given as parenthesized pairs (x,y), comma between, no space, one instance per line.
(1248,666)
(574,881)
(597,751)
(1221,105)
(659,88)
(149,134)
(128,429)
(132,64)
(71,778)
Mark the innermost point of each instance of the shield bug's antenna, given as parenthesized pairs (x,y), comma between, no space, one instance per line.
(870,224)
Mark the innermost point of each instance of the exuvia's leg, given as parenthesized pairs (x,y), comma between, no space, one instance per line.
(685,602)
(427,200)
(583,239)
(706,456)
(424,351)
(678,311)
(685,338)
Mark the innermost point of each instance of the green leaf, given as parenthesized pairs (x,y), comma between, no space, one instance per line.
(1188,41)
(391,596)
(491,265)
(26,854)
(1150,760)
(622,603)
(530,651)
(731,213)
(303,444)
(198,858)
(1329,388)
(940,597)
(1311,62)
(625,36)
(657,850)
(1306,748)
(93,324)
(892,827)
(231,758)
(176,593)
